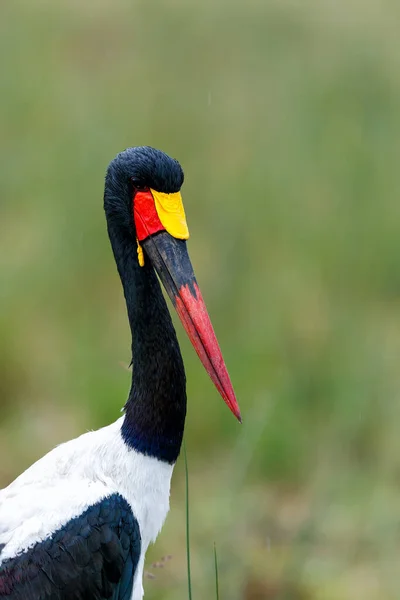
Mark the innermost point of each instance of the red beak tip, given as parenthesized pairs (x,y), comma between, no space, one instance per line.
(236,412)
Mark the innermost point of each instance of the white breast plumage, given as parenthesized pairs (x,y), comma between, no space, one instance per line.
(75,475)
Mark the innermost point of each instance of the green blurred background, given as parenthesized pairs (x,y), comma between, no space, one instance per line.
(286,118)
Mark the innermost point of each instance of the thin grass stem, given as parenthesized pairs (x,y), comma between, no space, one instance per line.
(189,576)
(216,572)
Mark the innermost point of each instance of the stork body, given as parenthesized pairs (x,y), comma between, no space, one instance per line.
(62,520)
(77,523)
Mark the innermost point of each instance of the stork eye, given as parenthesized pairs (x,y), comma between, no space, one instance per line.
(139,186)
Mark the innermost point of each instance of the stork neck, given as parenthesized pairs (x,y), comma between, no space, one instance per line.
(156,407)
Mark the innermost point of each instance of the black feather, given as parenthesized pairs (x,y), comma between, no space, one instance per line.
(94,556)
(156,407)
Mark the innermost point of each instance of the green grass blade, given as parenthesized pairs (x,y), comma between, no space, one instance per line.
(216,572)
(187,524)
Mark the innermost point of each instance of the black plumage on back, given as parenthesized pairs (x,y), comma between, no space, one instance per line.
(94,556)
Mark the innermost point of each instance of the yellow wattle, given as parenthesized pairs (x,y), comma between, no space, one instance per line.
(140,254)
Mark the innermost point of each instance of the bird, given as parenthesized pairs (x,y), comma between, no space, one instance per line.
(78,522)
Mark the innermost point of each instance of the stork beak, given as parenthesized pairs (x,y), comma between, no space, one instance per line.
(171,261)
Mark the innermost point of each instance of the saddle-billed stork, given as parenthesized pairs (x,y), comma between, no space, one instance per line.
(77,523)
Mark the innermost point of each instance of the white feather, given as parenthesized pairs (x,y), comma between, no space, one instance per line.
(62,484)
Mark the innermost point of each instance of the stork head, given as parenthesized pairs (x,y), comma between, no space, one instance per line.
(149,182)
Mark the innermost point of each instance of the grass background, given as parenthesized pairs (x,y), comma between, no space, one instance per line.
(285,116)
